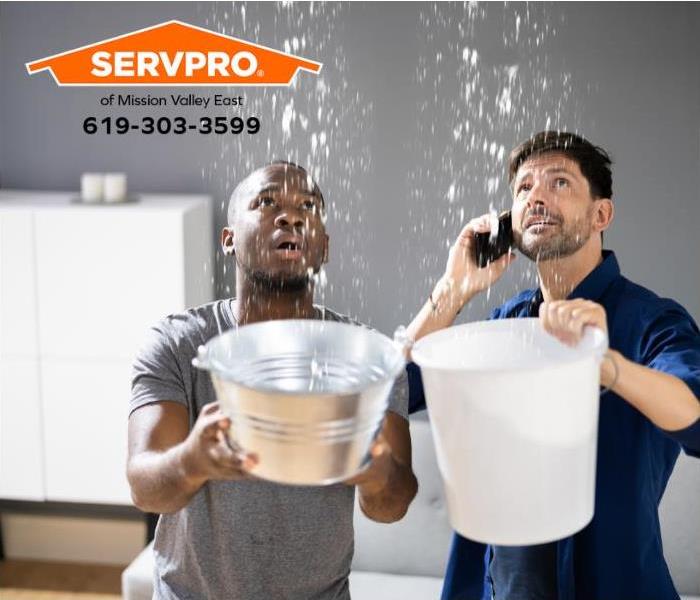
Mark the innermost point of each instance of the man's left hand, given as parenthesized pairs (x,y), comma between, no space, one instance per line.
(566,319)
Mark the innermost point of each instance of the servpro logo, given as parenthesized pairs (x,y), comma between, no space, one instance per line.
(173,54)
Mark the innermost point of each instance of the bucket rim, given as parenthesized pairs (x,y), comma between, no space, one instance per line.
(593,336)
(205,362)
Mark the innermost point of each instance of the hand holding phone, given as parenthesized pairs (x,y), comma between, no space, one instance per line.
(491,245)
(473,249)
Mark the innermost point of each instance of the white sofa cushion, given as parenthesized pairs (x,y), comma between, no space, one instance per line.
(137,578)
(383,586)
(420,542)
(680,525)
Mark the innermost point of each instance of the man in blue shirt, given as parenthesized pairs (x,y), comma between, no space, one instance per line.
(562,189)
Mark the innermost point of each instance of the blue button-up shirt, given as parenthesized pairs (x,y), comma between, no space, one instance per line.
(618,556)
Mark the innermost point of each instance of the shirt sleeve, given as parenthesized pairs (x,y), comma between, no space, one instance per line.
(672,345)
(156,373)
(398,398)
(495,313)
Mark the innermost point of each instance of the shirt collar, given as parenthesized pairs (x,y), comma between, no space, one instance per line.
(592,287)
(599,279)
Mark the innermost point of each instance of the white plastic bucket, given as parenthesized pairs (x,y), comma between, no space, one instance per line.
(514,414)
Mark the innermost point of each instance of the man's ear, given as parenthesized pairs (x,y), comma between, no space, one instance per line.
(227,244)
(604,214)
(326,241)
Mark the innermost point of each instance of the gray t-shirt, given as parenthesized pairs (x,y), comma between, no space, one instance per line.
(242,540)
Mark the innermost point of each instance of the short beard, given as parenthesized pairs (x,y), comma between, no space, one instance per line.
(279,283)
(568,242)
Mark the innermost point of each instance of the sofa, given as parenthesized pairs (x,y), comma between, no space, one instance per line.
(406,560)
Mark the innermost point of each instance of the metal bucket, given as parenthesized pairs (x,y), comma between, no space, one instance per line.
(308,397)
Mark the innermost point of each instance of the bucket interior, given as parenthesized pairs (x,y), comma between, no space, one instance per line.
(297,373)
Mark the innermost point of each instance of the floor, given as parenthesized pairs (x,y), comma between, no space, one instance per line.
(35,580)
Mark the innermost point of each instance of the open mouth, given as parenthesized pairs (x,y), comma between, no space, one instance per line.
(289,250)
(288,246)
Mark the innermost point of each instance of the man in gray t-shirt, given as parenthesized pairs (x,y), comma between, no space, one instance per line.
(222,533)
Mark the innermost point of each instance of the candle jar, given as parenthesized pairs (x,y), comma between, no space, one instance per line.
(91,187)
(114,187)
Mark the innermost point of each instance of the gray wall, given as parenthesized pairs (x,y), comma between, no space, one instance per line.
(406,118)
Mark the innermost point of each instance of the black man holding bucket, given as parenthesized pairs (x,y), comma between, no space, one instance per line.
(223,533)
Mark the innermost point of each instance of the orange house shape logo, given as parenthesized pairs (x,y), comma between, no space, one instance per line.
(173,54)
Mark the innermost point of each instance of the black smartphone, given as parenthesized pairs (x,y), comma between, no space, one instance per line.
(491,247)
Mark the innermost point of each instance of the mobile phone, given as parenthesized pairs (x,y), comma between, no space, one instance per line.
(490,247)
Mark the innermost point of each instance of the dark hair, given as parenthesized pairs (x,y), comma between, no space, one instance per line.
(593,161)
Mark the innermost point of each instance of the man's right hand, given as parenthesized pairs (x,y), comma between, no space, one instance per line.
(463,279)
(207,454)
(462,274)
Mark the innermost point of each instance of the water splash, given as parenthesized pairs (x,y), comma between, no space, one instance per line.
(485,82)
(319,122)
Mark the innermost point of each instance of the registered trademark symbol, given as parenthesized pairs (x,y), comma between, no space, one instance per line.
(261,72)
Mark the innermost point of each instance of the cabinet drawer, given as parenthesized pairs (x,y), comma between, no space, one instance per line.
(86,407)
(105,276)
(21,445)
(18,311)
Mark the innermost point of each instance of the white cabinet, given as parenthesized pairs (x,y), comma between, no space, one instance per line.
(79,287)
